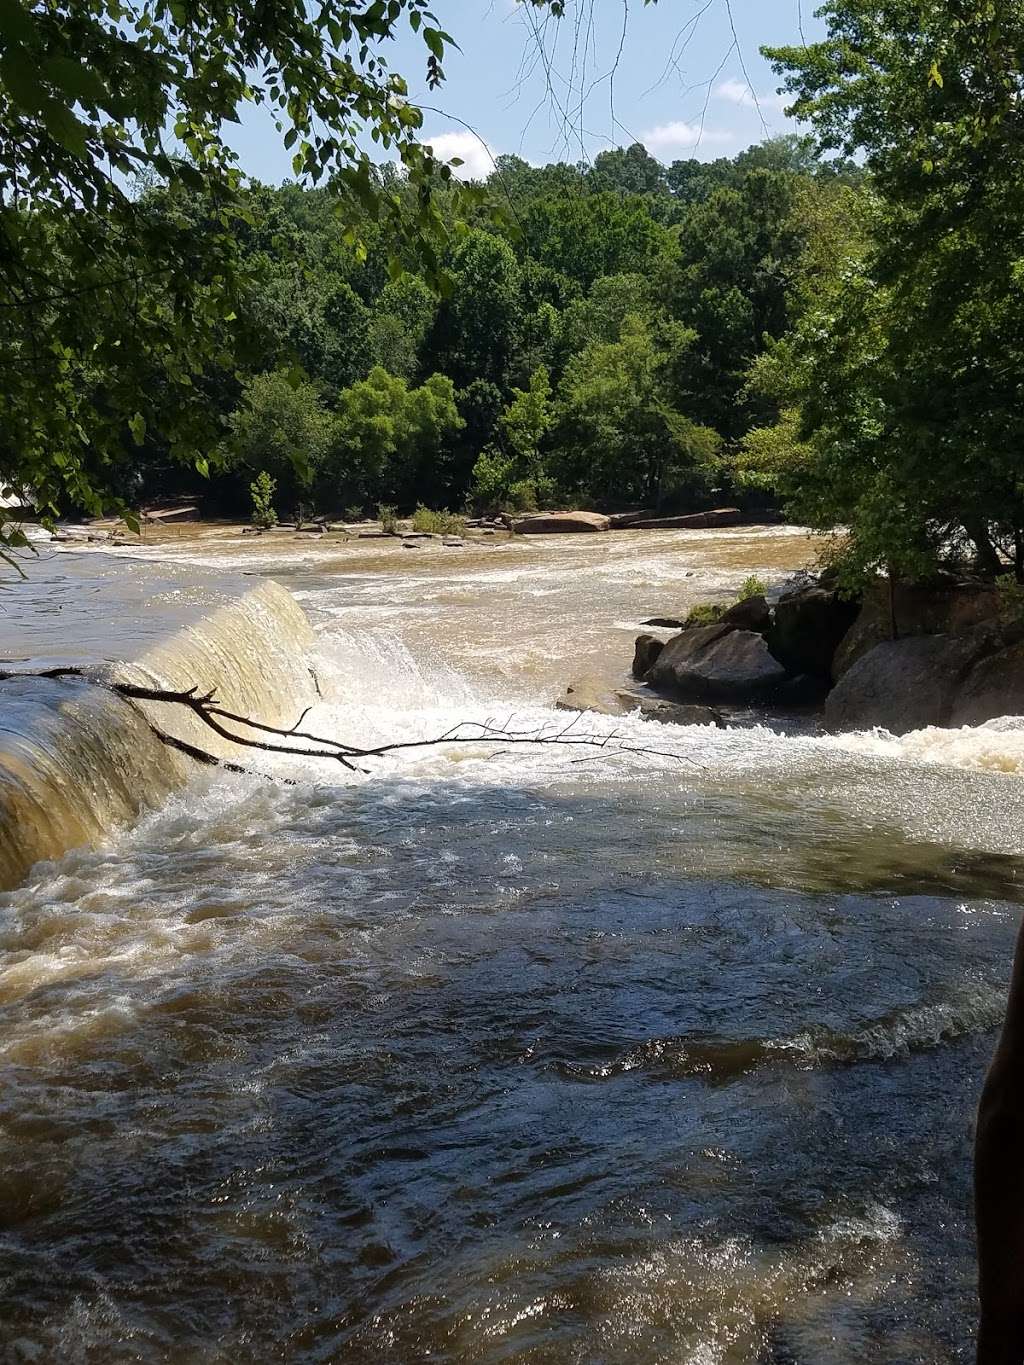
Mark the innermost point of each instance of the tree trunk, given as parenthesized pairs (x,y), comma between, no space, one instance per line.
(986,560)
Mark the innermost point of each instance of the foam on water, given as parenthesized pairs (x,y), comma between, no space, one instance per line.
(499,1052)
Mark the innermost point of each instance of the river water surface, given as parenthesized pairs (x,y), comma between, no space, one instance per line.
(512,1054)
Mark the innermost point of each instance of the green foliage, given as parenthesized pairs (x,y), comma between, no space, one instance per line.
(404,313)
(906,372)
(752,587)
(585,237)
(511,475)
(388,518)
(280,426)
(620,434)
(387,436)
(437,523)
(262,491)
(117,305)
(479,325)
(706,614)
(1011,598)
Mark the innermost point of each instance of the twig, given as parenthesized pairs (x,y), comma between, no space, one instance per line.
(204,706)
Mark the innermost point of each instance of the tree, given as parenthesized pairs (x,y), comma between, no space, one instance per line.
(282,429)
(478,327)
(912,371)
(513,471)
(599,317)
(315,320)
(737,255)
(584,237)
(385,436)
(621,437)
(403,315)
(630,170)
(89,97)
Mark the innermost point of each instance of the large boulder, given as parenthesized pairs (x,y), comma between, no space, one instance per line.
(994,687)
(694,521)
(620,520)
(752,613)
(645,653)
(944,606)
(807,628)
(717,664)
(907,684)
(548,523)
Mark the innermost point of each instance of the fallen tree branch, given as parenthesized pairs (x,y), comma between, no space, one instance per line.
(205,707)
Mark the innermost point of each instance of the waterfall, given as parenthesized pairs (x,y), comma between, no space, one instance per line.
(76,760)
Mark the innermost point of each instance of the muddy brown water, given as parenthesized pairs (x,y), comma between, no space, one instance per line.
(497,1055)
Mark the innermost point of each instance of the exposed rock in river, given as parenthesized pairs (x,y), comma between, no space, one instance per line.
(752,613)
(594,694)
(903,685)
(717,664)
(993,687)
(937,608)
(645,654)
(546,523)
(807,627)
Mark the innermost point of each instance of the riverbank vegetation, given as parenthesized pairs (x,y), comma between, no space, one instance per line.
(825,322)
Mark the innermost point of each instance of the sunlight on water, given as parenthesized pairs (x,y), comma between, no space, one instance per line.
(490,1054)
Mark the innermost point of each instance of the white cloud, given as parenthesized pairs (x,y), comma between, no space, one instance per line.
(739,92)
(476,156)
(669,138)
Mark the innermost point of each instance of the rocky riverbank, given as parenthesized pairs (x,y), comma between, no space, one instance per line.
(949,652)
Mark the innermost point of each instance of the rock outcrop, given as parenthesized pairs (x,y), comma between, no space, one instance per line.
(595,694)
(645,654)
(717,664)
(752,613)
(939,607)
(903,685)
(807,628)
(549,523)
(994,687)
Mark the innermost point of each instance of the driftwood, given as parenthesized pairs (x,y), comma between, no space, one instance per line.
(245,732)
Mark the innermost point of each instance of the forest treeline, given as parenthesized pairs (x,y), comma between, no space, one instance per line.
(591,342)
(833,323)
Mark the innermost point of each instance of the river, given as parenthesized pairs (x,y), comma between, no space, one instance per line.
(531,1055)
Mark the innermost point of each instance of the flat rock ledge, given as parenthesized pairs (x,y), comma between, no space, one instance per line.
(603,699)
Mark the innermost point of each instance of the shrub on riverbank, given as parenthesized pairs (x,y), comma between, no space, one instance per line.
(445,523)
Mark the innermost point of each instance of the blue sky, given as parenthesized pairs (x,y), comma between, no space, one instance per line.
(690,81)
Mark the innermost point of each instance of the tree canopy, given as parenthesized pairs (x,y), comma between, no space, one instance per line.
(827,320)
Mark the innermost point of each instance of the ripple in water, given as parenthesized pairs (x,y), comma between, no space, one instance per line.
(506,1058)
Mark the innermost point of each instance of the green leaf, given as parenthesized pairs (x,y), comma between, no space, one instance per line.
(137,427)
(935,75)
(76,81)
(16,24)
(203,466)
(18,74)
(434,41)
(65,128)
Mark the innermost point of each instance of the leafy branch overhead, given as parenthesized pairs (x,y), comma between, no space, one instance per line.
(104,287)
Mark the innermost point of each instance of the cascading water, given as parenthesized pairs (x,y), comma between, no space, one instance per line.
(76,760)
(511,1055)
